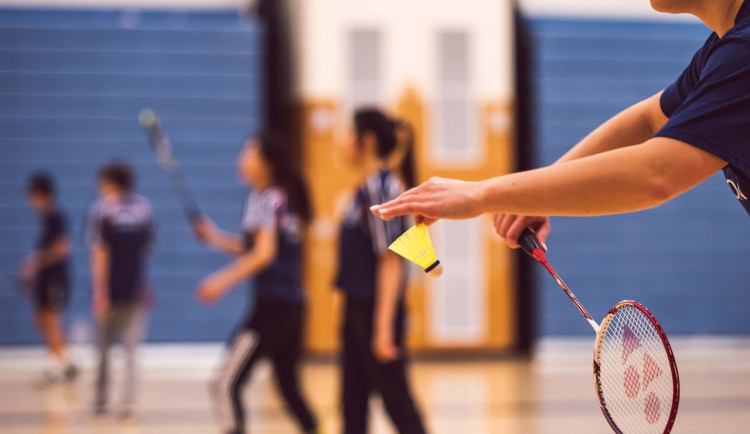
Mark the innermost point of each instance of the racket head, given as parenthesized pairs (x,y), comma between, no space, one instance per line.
(635,371)
(159,142)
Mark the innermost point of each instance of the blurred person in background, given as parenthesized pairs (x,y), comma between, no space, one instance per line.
(120,234)
(646,155)
(270,250)
(372,278)
(44,273)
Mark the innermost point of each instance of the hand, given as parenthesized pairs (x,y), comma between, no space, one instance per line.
(100,305)
(383,347)
(203,229)
(509,227)
(210,290)
(27,270)
(435,199)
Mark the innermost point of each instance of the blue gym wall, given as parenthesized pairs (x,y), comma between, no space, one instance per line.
(688,260)
(71,86)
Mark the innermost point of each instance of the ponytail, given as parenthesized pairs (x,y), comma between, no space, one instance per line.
(395,141)
(405,150)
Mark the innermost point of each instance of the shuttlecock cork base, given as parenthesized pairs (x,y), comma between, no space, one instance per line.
(416,246)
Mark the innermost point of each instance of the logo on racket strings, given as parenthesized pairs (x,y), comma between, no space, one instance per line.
(636,380)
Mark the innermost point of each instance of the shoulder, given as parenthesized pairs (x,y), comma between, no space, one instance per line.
(275,196)
(270,197)
(95,208)
(141,203)
(733,49)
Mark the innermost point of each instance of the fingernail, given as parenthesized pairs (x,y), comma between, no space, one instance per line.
(374,208)
(544,246)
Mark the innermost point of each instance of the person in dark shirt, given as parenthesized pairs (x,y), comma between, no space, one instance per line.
(646,155)
(373,279)
(45,273)
(270,251)
(120,234)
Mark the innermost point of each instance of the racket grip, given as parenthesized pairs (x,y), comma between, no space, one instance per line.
(529,243)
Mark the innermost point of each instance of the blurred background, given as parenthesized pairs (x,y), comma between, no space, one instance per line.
(490,86)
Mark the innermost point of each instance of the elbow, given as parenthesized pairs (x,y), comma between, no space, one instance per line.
(265,259)
(659,189)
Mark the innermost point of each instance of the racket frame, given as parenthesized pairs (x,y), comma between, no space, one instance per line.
(162,147)
(665,342)
(531,245)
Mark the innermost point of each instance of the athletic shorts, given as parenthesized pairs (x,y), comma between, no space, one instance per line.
(51,293)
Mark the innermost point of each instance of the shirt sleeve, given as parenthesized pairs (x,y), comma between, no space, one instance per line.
(714,114)
(383,232)
(674,95)
(262,212)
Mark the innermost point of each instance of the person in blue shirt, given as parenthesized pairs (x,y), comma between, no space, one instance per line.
(644,156)
(120,235)
(270,251)
(45,274)
(373,279)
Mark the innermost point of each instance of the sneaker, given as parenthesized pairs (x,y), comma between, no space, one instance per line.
(46,379)
(100,410)
(127,417)
(71,373)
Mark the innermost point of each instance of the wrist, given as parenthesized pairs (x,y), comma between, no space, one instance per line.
(483,197)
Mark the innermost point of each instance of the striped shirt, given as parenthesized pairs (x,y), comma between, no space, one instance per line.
(270,210)
(364,237)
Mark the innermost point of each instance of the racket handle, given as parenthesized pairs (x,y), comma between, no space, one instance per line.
(529,243)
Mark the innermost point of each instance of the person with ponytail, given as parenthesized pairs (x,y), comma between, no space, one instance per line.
(372,278)
(270,251)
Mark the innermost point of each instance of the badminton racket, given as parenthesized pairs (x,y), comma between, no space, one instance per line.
(162,147)
(634,368)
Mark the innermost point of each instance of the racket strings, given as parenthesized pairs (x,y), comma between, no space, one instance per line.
(635,373)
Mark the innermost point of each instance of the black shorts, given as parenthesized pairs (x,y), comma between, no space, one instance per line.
(51,293)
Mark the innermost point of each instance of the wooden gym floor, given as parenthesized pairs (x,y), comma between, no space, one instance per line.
(554,393)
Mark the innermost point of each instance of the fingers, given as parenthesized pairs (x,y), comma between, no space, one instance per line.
(504,224)
(542,232)
(514,232)
(510,227)
(411,201)
(401,207)
(426,220)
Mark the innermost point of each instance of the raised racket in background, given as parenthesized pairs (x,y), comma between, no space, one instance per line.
(162,147)
(634,368)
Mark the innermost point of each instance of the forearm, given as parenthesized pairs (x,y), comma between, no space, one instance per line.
(388,287)
(632,126)
(55,253)
(99,271)
(242,268)
(226,242)
(622,180)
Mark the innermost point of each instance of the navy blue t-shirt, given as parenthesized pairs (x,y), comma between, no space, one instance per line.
(126,228)
(708,106)
(270,210)
(364,237)
(53,228)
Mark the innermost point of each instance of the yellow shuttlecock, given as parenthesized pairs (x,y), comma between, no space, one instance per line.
(415,245)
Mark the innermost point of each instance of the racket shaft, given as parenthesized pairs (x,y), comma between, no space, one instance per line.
(187,201)
(572,296)
(533,248)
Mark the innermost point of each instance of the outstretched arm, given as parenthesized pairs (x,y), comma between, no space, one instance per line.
(617,181)
(213,287)
(206,231)
(632,126)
